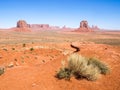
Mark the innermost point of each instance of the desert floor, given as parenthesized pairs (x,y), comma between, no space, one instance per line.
(33,58)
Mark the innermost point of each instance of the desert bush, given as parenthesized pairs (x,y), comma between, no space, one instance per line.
(13,48)
(90,72)
(2,70)
(31,49)
(82,67)
(24,45)
(104,69)
(64,73)
(76,62)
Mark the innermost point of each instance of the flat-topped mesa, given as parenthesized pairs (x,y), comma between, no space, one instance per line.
(39,25)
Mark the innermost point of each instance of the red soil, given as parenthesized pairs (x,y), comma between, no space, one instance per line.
(35,70)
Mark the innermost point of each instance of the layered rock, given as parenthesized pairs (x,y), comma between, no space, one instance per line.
(84,24)
(55,28)
(22,26)
(84,27)
(95,28)
(39,25)
(64,28)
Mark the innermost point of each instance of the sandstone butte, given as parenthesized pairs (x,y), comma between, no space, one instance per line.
(23,26)
(84,27)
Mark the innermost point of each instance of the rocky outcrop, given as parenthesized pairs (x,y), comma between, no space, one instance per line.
(55,28)
(39,25)
(95,28)
(84,24)
(22,26)
(84,27)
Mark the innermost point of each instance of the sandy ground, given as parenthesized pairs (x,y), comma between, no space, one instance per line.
(35,69)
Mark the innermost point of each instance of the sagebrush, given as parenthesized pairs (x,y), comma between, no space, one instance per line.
(82,67)
(64,73)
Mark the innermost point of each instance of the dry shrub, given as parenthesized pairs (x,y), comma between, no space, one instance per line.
(2,70)
(24,45)
(31,49)
(82,67)
(104,69)
(76,62)
(64,73)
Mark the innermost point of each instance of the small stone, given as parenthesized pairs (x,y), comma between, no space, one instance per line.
(11,65)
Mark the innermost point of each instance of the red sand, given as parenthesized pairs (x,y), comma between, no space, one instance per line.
(35,70)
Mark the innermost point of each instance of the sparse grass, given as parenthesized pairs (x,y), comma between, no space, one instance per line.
(13,48)
(43,61)
(22,61)
(78,64)
(31,49)
(114,42)
(15,59)
(24,45)
(97,63)
(82,67)
(64,73)
(2,70)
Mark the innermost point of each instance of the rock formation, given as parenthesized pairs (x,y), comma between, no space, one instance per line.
(84,24)
(95,28)
(39,26)
(22,26)
(84,27)
(55,28)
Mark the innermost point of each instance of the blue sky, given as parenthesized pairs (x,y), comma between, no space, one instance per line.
(103,13)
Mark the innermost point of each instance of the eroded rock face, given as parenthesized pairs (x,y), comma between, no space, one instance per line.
(95,28)
(84,27)
(84,24)
(22,24)
(39,25)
